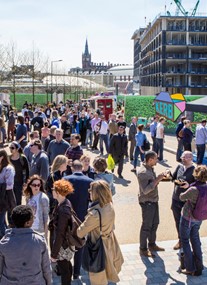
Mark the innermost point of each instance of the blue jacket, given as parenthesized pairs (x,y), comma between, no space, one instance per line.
(80,198)
(140,137)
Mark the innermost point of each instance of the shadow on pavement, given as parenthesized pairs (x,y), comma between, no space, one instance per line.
(121,181)
(156,273)
(164,164)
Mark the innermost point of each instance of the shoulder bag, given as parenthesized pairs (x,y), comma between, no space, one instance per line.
(93,258)
(71,233)
(146,144)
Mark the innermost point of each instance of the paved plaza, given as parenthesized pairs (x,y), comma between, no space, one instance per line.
(136,270)
(162,270)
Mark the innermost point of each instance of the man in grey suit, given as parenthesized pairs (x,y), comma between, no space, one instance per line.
(132,133)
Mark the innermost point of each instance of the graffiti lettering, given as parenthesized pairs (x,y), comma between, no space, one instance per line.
(165,109)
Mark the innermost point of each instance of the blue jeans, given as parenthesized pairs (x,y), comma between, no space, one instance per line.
(136,154)
(189,232)
(3,130)
(179,149)
(2,223)
(104,138)
(89,136)
(200,152)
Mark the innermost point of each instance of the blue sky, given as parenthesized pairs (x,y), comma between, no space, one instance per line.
(59,27)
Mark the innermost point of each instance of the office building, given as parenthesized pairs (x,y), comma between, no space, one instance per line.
(170,54)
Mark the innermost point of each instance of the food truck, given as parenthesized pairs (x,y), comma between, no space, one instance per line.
(104,103)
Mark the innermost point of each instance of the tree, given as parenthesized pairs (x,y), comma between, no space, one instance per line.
(35,63)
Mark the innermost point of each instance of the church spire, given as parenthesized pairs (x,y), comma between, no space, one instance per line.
(86,53)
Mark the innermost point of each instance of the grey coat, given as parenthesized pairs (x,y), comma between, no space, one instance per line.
(40,165)
(132,132)
(24,258)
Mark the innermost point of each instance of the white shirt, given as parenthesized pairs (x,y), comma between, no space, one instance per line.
(160,127)
(24,110)
(104,128)
(34,204)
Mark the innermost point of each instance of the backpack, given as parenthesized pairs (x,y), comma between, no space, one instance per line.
(71,233)
(200,211)
(146,144)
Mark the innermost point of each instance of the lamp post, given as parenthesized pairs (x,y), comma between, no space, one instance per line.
(52,75)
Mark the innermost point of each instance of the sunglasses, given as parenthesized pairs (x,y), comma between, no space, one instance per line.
(12,147)
(32,145)
(35,185)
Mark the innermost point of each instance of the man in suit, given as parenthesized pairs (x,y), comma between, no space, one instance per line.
(118,148)
(79,200)
(132,133)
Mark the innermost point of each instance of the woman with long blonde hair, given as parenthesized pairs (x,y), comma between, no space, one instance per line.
(101,198)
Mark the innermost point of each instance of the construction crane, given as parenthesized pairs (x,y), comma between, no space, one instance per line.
(177,9)
(195,8)
(180,7)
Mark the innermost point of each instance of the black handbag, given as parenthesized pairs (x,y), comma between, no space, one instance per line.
(146,144)
(93,258)
(7,198)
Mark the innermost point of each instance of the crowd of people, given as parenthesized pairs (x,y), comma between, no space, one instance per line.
(188,181)
(48,165)
(47,170)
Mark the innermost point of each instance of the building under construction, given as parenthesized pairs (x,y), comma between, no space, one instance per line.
(170,54)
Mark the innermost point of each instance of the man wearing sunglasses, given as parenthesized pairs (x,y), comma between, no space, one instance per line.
(40,162)
(118,148)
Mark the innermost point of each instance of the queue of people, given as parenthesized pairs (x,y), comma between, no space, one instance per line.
(47,165)
(55,177)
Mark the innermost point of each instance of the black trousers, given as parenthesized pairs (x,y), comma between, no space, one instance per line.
(120,161)
(83,136)
(150,221)
(187,146)
(176,208)
(96,139)
(77,261)
(200,152)
(65,269)
(154,144)
(18,195)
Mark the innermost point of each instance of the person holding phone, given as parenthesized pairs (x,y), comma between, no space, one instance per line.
(183,173)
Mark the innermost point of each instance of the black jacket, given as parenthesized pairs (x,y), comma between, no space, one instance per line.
(132,132)
(61,220)
(118,146)
(185,174)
